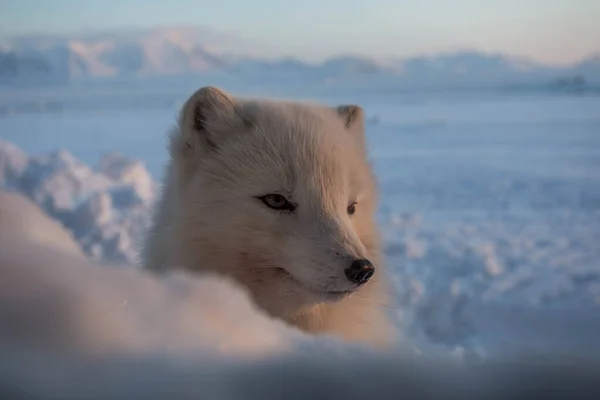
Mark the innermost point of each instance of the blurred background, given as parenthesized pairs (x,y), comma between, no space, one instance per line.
(483,125)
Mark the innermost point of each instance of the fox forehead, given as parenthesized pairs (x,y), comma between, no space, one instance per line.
(293,148)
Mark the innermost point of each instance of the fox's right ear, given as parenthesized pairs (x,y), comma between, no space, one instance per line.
(208,112)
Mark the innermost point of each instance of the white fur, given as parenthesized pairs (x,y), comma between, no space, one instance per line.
(227,151)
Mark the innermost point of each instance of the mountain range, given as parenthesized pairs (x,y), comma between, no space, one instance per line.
(172,51)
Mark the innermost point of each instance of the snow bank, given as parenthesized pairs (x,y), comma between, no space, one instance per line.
(51,300)
(70,329)
(106,208)
(20,217)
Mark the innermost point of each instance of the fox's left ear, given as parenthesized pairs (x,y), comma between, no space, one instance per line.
(354,120)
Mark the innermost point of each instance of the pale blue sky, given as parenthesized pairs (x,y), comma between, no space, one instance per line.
(546,30)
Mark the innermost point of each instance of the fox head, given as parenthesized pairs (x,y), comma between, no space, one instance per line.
(278,195)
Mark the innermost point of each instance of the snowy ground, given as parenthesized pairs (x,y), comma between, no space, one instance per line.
(490,204)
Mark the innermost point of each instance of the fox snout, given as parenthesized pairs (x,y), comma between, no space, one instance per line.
(360,271)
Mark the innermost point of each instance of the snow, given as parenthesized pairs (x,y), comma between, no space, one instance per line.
(105,208)
(490,202)
(91,309)
(121,333)
(21,217)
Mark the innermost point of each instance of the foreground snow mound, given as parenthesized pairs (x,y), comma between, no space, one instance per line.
(106,208)
(20,217)
(70,329)
(53,301)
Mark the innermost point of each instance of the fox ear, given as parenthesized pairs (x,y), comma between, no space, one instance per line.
(353,117)
(208,112)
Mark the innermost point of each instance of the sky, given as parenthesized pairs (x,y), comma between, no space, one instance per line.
(552,31)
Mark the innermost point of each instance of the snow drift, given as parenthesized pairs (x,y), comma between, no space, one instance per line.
(105,208)
(71,329)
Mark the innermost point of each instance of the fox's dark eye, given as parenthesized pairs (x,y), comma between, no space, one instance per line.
(351,208)
(277,202)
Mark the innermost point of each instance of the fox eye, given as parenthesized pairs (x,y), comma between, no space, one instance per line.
(351,208)
(277,202)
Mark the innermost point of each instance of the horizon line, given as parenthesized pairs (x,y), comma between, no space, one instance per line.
(8,36)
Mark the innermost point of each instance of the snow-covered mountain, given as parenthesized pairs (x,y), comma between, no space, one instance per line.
(142,53)
(33,60)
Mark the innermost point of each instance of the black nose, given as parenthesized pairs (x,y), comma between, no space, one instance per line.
(360,271)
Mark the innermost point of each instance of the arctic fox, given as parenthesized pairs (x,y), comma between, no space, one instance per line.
(281,197)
